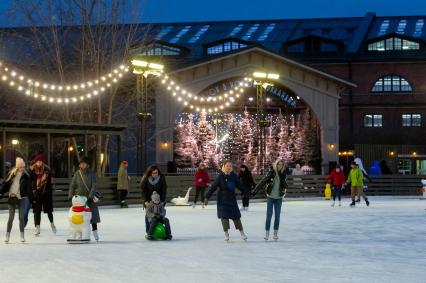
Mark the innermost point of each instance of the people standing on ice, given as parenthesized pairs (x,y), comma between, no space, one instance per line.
(358,161)
(17,187)
(227,207)
(356,180)
(247,181)
(202,178)
(123,181)
(152,181)
(84,183)
(298,170)
(275,185)
(41,178)
(338,180)
(156,213)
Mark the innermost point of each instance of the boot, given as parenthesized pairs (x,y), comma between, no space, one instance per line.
(332,204)
(275,235)
(367,202)
(226,236)
(243,236)
(22,237)
(352,203)
(358,200)
(266,235)
(96,235)
(6,240)
(52,225)
(193,206)
(340,203)
(37,233)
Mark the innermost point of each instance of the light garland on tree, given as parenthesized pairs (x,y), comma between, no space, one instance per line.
(190,100)
(30,87)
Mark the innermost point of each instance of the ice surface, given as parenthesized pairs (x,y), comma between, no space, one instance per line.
(385,242)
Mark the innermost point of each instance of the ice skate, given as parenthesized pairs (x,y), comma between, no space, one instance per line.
(243,236)
(275,235)
(6,240)
(367,202)
(340,204)
(266,236)
(352,204)
(96,235)
(332,204)
(22,237)
(226,236)
(52,225)
(37,233)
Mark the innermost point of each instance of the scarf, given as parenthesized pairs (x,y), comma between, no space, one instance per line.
(41,175)
(153,180)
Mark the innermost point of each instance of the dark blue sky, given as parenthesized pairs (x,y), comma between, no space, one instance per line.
(216,10)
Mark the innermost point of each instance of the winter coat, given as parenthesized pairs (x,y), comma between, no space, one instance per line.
(338,178)
(227,206)
(201,178)
(355,178)
(122,179)
(247,181)
(268,181)
(87,189)
(147,189)
(43,196)
(375,168)
(155,210)
(24,185)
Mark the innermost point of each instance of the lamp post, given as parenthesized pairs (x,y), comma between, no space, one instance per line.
(143,69)
(261,81)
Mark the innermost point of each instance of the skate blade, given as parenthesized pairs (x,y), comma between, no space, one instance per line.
(71,241)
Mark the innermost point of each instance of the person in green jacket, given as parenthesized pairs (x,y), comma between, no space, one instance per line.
(355,179)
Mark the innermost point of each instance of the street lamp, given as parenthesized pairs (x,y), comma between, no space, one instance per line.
(143,69)
(262,81)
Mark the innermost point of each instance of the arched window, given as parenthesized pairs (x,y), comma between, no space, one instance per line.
(393,43)
(392,83)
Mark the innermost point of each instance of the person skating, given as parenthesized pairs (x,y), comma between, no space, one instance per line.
(43,194)
(202,178)
(17,187)
(84,183)
(156,213)
(358,161)
(227,207)
(338,180)
(123,180)
(355,179)
(152,181)
(247,181)
(275,185)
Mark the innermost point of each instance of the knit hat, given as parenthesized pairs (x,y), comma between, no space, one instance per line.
(86,160)
(155,196)
(39,158)
(19,162)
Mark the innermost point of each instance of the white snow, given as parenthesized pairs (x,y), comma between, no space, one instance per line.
(385,242)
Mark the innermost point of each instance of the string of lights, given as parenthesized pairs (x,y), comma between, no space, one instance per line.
(200,103)
(49,92)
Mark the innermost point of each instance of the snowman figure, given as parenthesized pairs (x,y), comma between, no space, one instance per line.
(79,217)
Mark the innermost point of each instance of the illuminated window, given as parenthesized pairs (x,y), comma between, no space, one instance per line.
(158,49)
(393,43)
(419,28)
(401,26)
(392,83)
(373,120)
(250,32)
(225,47)
(164,31)
(411,120)
(266,32)
(383,28)
(236,30)
(197,36)
(181,33)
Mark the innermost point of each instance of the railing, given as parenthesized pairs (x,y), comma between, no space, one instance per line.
(299,187)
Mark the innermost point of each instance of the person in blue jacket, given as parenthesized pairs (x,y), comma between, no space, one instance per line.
(227,207)
(375,168)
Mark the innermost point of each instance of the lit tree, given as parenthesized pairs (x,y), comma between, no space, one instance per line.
(310,152)
(205,137)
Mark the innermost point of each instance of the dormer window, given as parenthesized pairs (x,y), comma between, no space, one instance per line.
(160,49)
(225,46)
(393,43)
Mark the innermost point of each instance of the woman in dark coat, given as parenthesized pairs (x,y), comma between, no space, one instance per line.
(84,183)
(152,181)
(227,207)
(248,183)
(275,185)
(43,195)
(17,187)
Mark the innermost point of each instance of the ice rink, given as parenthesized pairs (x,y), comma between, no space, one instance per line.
(385,242)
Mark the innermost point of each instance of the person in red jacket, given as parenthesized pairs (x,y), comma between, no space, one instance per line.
(338,181)
(202,178)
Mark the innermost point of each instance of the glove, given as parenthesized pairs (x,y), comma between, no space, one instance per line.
(206,201)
